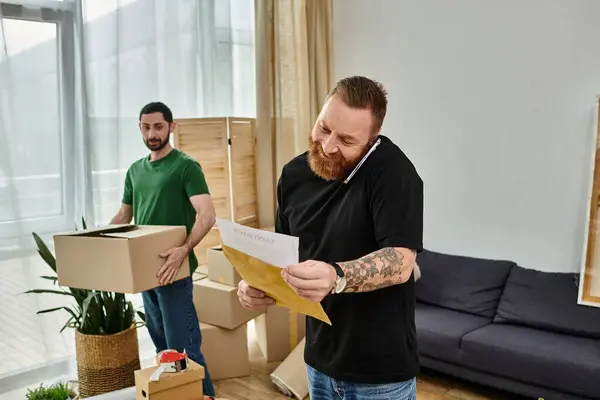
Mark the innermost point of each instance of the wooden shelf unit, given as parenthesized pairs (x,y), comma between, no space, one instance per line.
(225,148)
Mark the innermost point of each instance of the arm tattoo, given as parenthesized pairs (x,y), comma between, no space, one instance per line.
(377,270)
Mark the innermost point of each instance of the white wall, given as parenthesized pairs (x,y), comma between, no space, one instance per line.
(494,103)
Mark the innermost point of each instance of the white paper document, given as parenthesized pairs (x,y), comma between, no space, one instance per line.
(272,248)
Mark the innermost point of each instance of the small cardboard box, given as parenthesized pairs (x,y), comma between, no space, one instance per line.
(200,273)
(116,258)
(186,385)
(220,269)
(212,238)
(202,269)
(218,305)
(278,332)
(225,351)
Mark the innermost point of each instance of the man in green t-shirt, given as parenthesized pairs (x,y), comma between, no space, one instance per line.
(168,187)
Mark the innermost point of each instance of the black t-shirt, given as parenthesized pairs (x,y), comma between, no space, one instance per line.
(372,338)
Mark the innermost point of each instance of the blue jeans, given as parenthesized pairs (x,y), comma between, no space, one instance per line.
(322,387)
(172,322)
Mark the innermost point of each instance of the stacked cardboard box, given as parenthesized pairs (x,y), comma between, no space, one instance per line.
(200,273)
(278,332)
(223,320)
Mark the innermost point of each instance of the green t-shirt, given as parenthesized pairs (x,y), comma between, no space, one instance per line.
(159,192)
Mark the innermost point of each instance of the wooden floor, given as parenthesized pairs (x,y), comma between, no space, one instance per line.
(430,386)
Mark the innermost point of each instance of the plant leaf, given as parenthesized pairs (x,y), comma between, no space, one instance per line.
(74,315)
(84,310)
(142,316)
(111,312)
(121,307)
(44,252)
(66,324)
(49,310)
(54,279)
(49,291)
(128,317)
(94,317)
(70,311)
(80,295)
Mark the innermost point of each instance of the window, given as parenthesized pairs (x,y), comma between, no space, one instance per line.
(35,180)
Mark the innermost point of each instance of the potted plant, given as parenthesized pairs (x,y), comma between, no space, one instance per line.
(58,391)
(106,343)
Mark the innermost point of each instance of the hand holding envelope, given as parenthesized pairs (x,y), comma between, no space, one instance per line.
(311,279)
(252,298)
(259,256)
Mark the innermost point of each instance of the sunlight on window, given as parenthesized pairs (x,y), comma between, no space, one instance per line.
(24,35)
(94,9)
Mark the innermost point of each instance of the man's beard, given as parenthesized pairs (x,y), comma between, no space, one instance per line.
(330,167)
(156,144)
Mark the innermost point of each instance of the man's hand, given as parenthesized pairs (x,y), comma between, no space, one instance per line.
(174,259)
(253,299)
(311,279)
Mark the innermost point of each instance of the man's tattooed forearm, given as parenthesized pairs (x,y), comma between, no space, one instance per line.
(374,271)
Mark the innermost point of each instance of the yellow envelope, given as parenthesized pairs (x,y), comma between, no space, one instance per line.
(266,277)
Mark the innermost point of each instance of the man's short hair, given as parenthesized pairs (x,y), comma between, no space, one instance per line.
(363,93)
(157,106)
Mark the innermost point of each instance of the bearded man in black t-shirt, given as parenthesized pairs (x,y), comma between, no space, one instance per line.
(356,202)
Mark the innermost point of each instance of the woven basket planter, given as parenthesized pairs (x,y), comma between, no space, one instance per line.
(106,363)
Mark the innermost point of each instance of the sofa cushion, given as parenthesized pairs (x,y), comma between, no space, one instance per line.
(439,330)
(547,301)
(471,285)
(547,359)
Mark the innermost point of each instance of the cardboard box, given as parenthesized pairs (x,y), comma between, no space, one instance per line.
(186,385)
(290,376)
(220,269)
(117,258)
(200,273)
(212,239)
(278,332)
(202,269)
(218,305)
(225,351)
